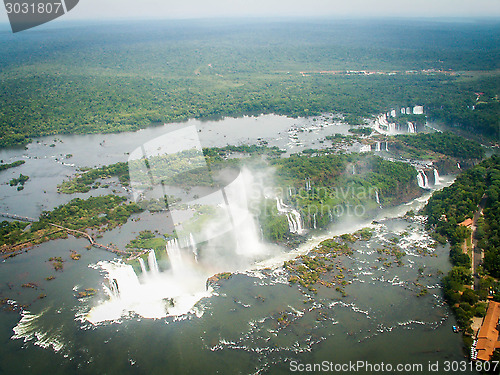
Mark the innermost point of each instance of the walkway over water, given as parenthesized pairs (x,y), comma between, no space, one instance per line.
(73,231)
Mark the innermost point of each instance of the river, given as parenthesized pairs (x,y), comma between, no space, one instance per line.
(234,329)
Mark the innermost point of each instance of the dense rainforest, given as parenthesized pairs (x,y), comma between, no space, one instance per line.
(79,82)
(476,188)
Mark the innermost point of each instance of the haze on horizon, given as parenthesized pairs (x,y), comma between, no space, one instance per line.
(161,9)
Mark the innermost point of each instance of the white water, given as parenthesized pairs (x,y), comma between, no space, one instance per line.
(231,241)
(423,180)
(292,215)
(158,295)
(192,246)
(436,177)
(351,225)
(377,199)
(143,266)
(411,128)
(152,263)
(28,329)
(174,256)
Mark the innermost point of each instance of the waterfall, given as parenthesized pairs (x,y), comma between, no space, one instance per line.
(353,169)
(143,266)
(411,128)
(121,281)
(377,199)
(293,216)
(436,177)
(297,220)
(377,147)
(192,246)
(314,220)
(115,292)
(423,180)
(386,146)
(308,184)
(426,180)
(420,180)
(174,255)
(458,166)
(152,263)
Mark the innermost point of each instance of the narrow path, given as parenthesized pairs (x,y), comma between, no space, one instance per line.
(477,254)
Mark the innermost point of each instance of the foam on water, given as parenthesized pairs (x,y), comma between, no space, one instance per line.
(29,329)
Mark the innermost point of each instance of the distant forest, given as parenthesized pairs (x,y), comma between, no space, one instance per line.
(118,77)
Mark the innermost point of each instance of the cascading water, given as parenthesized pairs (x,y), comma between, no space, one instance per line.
(458,166)
(152,262)
(143,266)
(157,295)
(377,147)
(436,177)
(314,220)
(174,256)
(192,246)
(411,128)
(377,199)
(420,180)
(423,180)
(386,146)
(292,215)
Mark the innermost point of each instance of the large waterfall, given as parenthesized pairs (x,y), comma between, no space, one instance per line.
(292,215)
(152,293)
(411,127)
